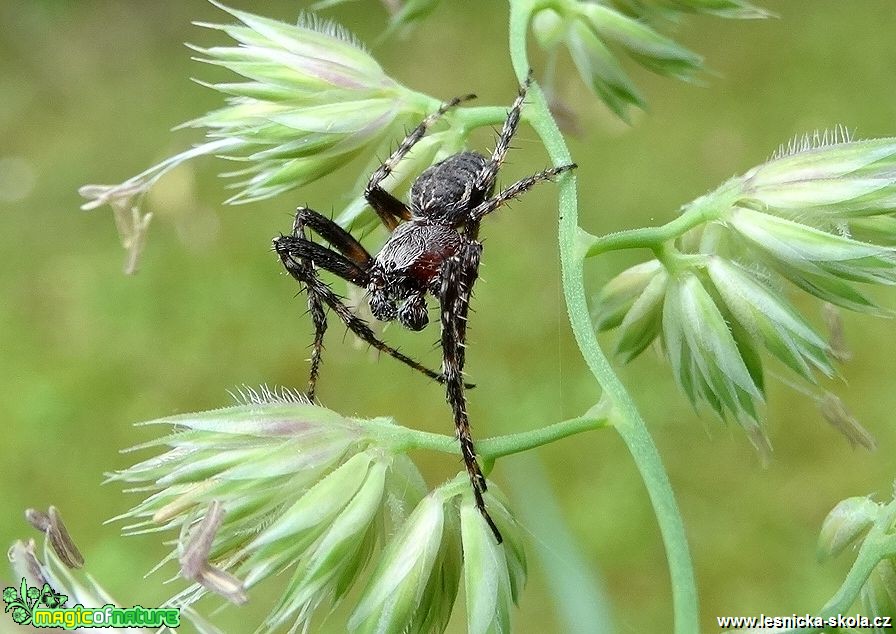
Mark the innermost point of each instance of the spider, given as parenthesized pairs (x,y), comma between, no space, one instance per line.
(432,248)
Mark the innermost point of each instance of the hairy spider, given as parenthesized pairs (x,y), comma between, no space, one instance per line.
(432,249)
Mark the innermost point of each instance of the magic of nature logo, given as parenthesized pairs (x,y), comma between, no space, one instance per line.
(44,607)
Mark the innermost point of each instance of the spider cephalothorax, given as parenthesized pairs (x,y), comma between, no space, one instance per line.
(432,249)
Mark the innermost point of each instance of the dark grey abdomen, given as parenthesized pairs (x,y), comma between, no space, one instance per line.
(445,191)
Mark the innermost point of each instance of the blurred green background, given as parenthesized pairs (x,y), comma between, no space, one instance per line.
(88,92)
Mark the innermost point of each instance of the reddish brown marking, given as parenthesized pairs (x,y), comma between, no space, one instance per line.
(426,267)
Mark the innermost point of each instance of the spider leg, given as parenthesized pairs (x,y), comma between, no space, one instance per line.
(485,181)
(387,207)
(348,247)
(458,275)
(300,257)
(330,231)
(518,188)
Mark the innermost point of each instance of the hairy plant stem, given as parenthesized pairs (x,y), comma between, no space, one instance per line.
(705,209)
(625,416)
(646,238)
(878,544)
(479,117)
(404,438)
(464,119)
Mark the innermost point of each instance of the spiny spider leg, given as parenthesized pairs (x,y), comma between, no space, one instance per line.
(388,208)
(485,181)
(519,187)
(299,256)
(458,276)
(352,267)
(330,231)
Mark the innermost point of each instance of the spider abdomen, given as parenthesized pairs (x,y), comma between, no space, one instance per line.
(446,191)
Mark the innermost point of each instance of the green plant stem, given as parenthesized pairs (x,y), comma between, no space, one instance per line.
(705,209)
(626,418)
(404,438)
(499,446)
(479,117)
(646,238)
(878,544)
(465,119)
(849,591)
